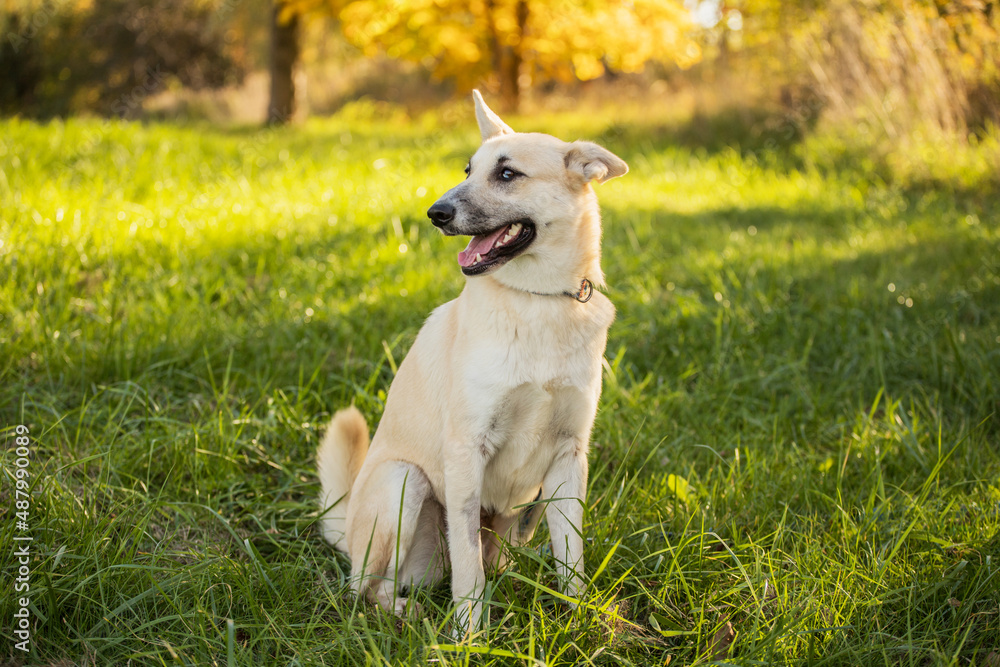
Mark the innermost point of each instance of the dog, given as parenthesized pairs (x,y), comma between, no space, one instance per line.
(487,423)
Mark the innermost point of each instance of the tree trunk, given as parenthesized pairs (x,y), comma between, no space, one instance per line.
(284,53)
(506,57)
(510,76)
(723,59)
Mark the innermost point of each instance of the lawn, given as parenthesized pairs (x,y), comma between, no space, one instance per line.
(796,459)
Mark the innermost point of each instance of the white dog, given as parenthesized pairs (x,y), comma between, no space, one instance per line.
(488,420)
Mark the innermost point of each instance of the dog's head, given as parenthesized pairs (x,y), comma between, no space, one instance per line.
(526,197)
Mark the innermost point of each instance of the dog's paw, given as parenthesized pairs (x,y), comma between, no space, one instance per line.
(404,607)
(467,620)
(574,589)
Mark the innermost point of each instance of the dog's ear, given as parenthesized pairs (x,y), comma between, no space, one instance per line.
(490,124)
(592,162)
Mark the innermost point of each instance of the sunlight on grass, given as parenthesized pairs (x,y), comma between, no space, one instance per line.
(794,460)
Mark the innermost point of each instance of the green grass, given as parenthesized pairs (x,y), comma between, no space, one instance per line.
(798,435)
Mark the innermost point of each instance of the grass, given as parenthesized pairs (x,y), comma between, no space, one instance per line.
(795,460)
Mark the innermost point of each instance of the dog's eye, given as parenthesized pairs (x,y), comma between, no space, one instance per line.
(508,174)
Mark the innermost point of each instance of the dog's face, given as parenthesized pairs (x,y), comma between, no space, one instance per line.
(522,195)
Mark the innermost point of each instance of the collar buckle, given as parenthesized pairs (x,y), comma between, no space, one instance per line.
(584,293)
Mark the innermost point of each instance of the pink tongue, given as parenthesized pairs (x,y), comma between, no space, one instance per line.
(480,244)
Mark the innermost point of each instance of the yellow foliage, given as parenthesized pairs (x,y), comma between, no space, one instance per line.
(587,67)
(569,38)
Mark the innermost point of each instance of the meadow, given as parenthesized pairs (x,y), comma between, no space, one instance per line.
(796,459)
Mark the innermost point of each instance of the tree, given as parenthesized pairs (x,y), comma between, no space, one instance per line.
(284,53)
(514,42)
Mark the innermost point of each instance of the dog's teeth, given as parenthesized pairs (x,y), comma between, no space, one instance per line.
(479,258)
(515,229)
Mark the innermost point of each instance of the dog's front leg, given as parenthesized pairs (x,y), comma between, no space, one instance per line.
(565,486)
(463,492)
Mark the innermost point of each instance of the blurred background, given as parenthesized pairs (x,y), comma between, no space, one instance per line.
(897,68)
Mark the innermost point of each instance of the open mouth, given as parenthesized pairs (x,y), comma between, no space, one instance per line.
(489,251)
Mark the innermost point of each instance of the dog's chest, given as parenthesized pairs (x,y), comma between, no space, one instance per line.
(533,428)
(533,394)
(537,347)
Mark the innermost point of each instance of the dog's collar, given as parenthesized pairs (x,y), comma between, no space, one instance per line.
(582,295)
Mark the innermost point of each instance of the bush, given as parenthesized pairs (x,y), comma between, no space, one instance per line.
(907,66)
(109,57)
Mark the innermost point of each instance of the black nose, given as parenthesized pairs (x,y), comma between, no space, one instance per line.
(441,214)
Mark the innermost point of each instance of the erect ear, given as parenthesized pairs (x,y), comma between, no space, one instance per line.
(592,162)
(490,124)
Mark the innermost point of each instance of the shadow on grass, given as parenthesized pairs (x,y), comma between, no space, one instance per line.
(807,299)
(745,129)
(776,317)
(788,138)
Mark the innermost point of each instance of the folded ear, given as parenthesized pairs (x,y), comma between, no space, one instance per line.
(490,124)
(593,162)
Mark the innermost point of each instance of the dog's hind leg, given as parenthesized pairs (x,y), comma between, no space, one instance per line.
(515,529)
(527,520)
(380,562)
(427,555)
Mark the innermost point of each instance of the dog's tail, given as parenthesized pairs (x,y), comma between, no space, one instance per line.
(339,459)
